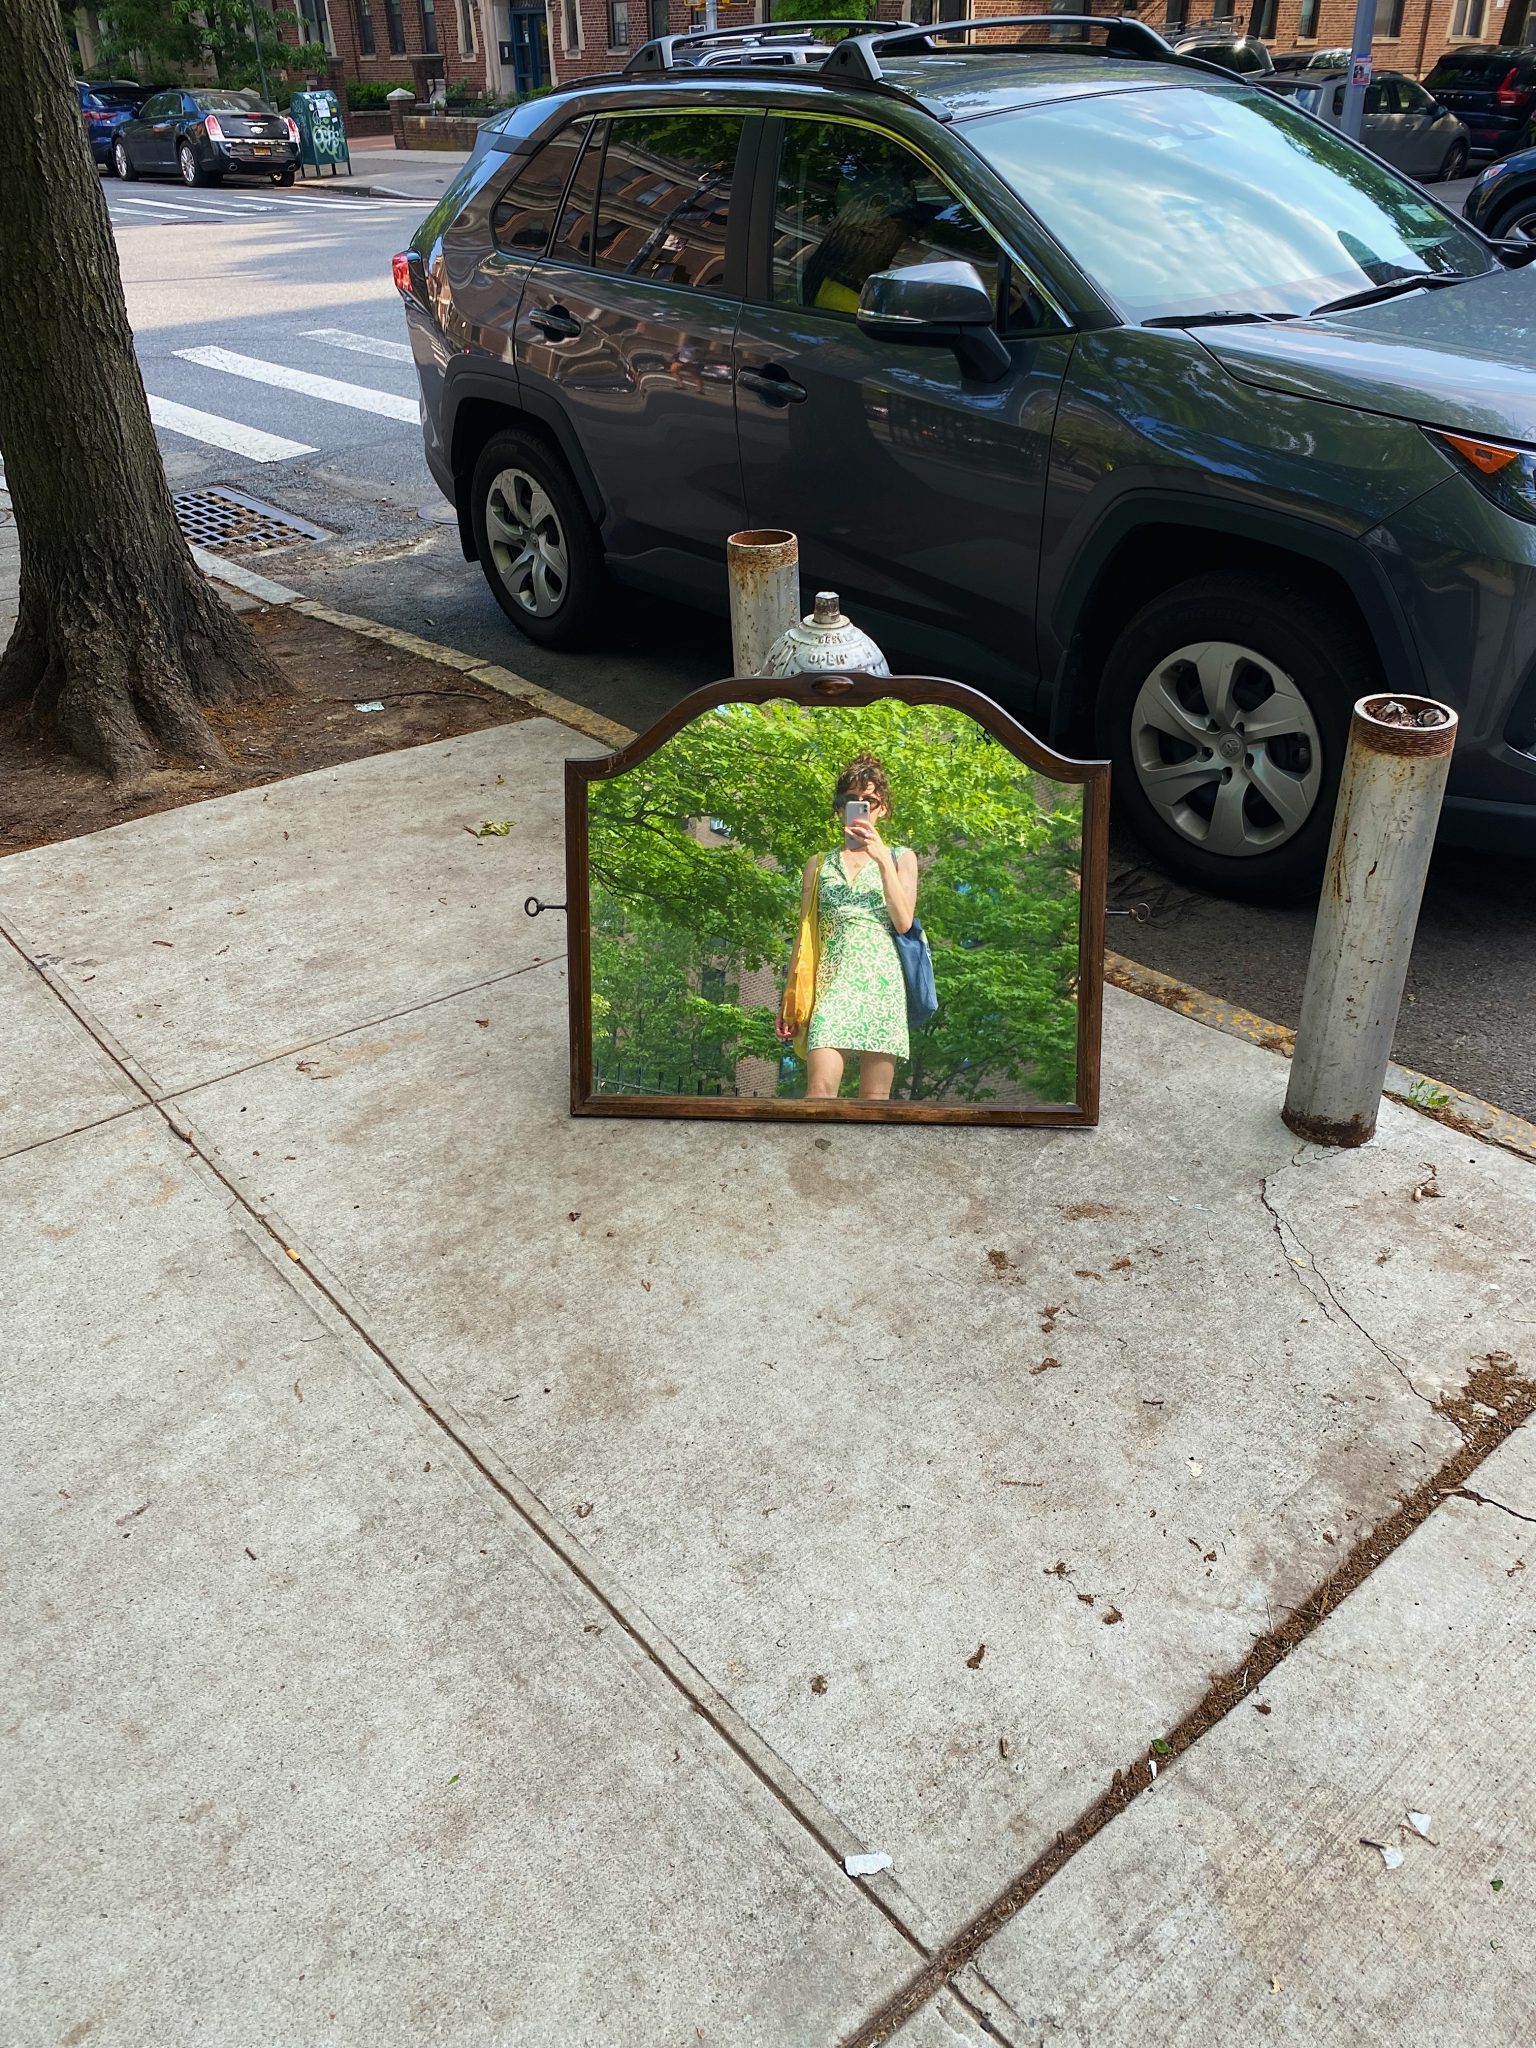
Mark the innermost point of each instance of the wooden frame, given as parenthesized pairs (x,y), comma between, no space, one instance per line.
(844,690)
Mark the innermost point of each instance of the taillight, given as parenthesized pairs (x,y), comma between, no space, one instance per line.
(293,129)
(1505,95)
(211,123)
(404,282)
(95,118)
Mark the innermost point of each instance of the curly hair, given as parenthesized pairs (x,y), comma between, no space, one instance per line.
(865,774)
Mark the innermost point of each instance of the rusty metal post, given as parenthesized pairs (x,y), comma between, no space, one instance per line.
(763,565)
(1395,768)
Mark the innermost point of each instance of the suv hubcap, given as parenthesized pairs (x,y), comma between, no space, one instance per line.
(1522,229)
(527,542)
(1225,748)
(188,166)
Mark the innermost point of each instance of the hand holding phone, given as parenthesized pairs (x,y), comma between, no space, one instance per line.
(855,811)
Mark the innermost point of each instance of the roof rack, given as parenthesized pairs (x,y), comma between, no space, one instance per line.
(661,52)
(858,56)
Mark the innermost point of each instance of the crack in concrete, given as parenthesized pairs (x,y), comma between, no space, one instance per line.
(1327,1300)
(1486,1500)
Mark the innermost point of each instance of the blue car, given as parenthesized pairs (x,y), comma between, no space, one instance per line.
(1503,201)
(105,104)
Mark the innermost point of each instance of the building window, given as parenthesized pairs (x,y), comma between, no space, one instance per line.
(618,24)
(429,27)
(1306,27)
(315,24)
(466,28)
(1177,15)
(1389,20)
(1467,20)
(570,25)
(1222,11)
(394,22)
(1261,21)
(366,46)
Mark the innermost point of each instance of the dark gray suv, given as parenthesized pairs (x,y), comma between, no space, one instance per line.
(1086,372)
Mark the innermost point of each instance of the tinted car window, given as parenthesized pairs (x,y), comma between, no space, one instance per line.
(111,96)
(1479,70)
(665,199)
(1187,200)
(573,237)
(228,103)
(525,214)
(850,202)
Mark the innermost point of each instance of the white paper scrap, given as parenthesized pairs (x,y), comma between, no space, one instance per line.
(1392,1858)
(866,1866)
(373,704)
(1419,1822)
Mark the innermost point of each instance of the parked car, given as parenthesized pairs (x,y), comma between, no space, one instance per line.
(1400,121)
(1122,389)
(1503,201)
(201,136)
(1336,59)
(766,50)
(105,104)
(1493,90)
(1242,54)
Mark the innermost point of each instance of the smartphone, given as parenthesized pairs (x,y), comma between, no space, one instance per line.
(855,808)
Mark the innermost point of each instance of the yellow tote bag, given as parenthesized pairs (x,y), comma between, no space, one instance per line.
(800,995)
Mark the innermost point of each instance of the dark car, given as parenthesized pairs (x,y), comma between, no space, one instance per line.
(105,104)
(1492,89)
(1242,54)
(1117,387)
(200,137)
(1503,201)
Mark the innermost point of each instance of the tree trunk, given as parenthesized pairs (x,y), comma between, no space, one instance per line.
(119,639)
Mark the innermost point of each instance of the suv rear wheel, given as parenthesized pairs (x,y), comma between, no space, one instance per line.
(1224,708)
(536,542)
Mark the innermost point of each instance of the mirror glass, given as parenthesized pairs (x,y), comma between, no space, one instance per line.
(753,940)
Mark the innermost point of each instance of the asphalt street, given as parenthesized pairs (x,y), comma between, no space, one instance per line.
(274,352)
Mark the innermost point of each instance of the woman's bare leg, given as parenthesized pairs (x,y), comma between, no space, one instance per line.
(877,1076)
(824,1074)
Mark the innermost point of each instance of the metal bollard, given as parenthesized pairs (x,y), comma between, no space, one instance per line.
(1398,758)
(763,565)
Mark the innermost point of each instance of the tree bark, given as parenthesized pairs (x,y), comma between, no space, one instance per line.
(119,639)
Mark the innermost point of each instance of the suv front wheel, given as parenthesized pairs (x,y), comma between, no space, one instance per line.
(536,542)
(1224,709)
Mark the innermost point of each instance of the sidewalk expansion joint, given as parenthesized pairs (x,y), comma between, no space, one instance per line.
(1494,1402)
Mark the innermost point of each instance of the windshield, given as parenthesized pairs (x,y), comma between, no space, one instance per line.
(1193,200)
(231,103)
(1487,71)
(114,96)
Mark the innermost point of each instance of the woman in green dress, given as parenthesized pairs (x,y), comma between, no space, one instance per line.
(864,893)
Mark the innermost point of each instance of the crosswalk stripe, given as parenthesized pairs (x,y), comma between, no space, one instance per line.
(360,344)
(222,433)
(331,389)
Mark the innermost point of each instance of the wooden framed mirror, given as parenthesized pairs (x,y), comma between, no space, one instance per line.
(705,858)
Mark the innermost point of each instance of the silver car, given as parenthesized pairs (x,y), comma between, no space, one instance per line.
(1401,123)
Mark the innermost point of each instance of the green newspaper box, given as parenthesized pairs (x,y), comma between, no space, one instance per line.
(322,138)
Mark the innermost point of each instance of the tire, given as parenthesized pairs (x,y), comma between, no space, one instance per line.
(122,164)
(1187,684)
(1515,222)
(522,492)
(1455,165)
(284,177)
(191,171)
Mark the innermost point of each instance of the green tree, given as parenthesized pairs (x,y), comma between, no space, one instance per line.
(696,856)
(172,37)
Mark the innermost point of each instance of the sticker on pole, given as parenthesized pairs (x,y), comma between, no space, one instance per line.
(1360,71)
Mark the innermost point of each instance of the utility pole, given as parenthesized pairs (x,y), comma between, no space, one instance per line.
(261,62)
(1359,68)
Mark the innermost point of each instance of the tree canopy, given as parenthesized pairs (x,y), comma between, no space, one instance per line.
(696,858)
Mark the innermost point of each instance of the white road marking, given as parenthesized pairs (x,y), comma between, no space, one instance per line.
(222,433)
(360,344)
(152,206)
(331,389)
(238,577)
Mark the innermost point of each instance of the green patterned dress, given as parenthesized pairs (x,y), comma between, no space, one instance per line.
(861,997)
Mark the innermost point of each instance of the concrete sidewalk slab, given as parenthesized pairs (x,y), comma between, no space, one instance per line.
(1234,1900)
(312,1740)
(229,931)
(55,1078)
(789,1392)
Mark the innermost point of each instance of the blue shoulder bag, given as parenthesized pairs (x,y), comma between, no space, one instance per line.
(917,973)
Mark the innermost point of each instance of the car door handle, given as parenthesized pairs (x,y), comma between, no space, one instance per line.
(554,323)
(773,385)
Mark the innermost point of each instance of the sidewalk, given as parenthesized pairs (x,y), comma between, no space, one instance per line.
(380,171)
(479,1572)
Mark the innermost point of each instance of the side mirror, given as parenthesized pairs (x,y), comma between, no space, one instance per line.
(936,305)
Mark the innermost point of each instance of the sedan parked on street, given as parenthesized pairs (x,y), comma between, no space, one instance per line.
(200,137)
(1401,122)
(105,104)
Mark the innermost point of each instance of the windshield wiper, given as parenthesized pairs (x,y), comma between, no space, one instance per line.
(1420,281)
(1213,319)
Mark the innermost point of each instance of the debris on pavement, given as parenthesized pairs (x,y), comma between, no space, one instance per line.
(1391,1857)
(373,704)
(819,1683)
(866,1866)
(1110,1616)
(494,828)
(1419,1822)
(1428,1190)
(973,1662)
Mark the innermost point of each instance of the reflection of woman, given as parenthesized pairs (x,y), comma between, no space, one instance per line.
(864,893)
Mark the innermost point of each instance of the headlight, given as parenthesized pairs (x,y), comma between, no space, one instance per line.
(1503,473)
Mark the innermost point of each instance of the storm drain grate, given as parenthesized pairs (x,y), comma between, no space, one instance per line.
(228,519)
